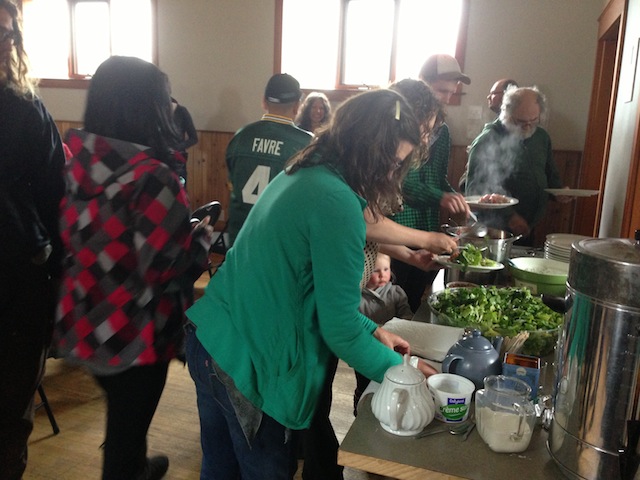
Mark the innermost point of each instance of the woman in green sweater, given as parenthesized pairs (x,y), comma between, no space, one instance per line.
(287,296)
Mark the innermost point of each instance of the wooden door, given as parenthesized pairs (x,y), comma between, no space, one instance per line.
(631,216)
(603,99)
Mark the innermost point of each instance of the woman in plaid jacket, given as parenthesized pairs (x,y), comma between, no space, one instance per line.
(133,256)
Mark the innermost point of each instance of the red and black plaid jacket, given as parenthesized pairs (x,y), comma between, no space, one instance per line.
(132,258)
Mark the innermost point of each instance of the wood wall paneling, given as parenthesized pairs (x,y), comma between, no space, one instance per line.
(207,177)
(206,167)
(207,170)
(64,125)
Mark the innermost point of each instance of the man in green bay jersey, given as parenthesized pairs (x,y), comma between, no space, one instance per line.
(259,151)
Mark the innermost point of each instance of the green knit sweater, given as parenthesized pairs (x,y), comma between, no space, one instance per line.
(287,296)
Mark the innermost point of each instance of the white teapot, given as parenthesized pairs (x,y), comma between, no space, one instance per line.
(403,404)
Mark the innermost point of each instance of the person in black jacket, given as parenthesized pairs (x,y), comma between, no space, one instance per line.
(32,185)
(187,135)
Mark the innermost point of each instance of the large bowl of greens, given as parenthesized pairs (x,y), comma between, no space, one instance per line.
(504,311)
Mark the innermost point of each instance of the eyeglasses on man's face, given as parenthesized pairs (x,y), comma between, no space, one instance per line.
(526,123)
(7,35)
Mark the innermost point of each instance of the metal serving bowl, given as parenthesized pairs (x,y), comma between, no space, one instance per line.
(497,241)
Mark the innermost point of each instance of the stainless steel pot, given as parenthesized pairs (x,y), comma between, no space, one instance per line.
(498,242)
(596,416)
(479,278)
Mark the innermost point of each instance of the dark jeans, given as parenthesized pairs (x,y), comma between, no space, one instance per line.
(132,398)
(362,383)
(320,445)
(27,301)
(226,453)
(413,281)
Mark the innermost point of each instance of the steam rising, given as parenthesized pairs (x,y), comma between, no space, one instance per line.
(491,162)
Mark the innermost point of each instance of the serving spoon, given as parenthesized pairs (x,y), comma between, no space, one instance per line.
(460,429)
(476,229)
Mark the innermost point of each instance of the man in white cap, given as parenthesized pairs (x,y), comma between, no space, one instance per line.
(442,73)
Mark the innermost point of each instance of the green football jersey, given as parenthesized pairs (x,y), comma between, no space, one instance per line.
(255,155)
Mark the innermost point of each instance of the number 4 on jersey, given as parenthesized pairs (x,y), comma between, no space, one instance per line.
(256,184)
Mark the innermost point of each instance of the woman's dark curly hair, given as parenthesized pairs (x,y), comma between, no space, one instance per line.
(17,74)
(361,142)
(426,108)
(423,101)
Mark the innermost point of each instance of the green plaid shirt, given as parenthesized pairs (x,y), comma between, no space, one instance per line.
(424,186)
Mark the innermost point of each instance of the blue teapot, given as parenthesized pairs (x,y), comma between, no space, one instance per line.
(474,357)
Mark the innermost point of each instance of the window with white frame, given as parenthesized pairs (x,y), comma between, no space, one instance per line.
(69,39)
(347,44)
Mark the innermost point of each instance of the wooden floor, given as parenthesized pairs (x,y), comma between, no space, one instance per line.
(77,402)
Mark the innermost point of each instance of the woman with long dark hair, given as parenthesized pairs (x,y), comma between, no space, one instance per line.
(259,364)
(314,112)
(133,256)
(31,186)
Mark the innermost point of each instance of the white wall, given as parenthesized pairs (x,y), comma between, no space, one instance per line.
(219,55)
(624,126)
(548,43)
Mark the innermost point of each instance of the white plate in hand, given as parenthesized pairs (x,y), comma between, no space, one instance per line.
(446,261)
(572,192)
(474,201)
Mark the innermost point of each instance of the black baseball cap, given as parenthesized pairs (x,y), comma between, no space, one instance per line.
(282,88)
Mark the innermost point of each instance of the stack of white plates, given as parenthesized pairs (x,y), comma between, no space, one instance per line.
(558,246)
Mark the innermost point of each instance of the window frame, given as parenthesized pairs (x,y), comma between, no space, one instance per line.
(342,91)
(76,81)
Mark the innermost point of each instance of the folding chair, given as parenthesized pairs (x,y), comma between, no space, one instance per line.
(220,245)
(213,210)
(44,402)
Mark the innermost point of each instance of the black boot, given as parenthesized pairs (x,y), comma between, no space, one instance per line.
(155,469)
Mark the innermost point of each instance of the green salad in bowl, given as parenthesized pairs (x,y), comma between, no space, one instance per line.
(499,311)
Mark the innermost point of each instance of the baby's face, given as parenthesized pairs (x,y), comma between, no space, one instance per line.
(381,274)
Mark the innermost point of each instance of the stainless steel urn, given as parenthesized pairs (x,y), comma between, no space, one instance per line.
(596,418)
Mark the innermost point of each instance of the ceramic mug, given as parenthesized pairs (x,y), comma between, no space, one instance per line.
(452,396)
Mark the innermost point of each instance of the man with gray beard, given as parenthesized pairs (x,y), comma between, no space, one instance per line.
(513,157)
